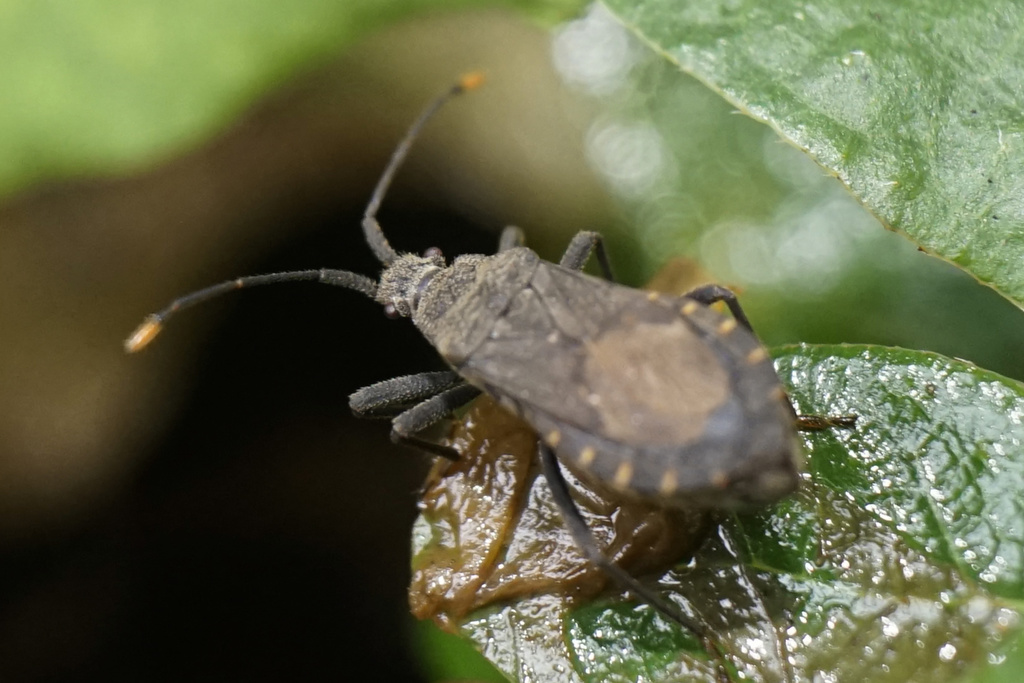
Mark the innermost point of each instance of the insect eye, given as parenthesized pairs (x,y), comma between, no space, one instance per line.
(432,252)
(391,312)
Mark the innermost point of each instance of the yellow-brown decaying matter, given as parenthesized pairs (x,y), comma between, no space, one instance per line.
(483,549)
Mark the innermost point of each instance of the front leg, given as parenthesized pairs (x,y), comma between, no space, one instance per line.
(393,396)
(406,427)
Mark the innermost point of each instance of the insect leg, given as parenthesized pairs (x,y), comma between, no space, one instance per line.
(414,420)
(817,423)
(587,544)
(511,237)
(393,396)
(709,294)
(584,244)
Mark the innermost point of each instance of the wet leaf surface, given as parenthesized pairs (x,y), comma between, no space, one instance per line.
(899,559)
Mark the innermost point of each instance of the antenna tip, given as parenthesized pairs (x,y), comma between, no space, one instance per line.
(472,80)
(143,334)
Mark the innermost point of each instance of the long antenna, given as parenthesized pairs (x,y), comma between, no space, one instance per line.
(154,324)
(371,228)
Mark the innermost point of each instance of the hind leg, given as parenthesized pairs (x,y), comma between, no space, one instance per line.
(709,294)
(588,545)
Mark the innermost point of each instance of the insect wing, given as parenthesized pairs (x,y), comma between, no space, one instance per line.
(653,395)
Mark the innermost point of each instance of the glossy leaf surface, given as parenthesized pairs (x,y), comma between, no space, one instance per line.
(918,107)
(899,559)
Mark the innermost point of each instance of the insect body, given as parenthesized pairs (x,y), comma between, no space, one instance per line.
(657,397)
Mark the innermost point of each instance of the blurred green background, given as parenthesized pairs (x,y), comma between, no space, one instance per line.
(209,508)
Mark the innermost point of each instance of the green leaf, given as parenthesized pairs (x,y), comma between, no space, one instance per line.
(917,106)
(901,558)
(98,86)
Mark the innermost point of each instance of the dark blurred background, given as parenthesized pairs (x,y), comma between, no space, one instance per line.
(209,509)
